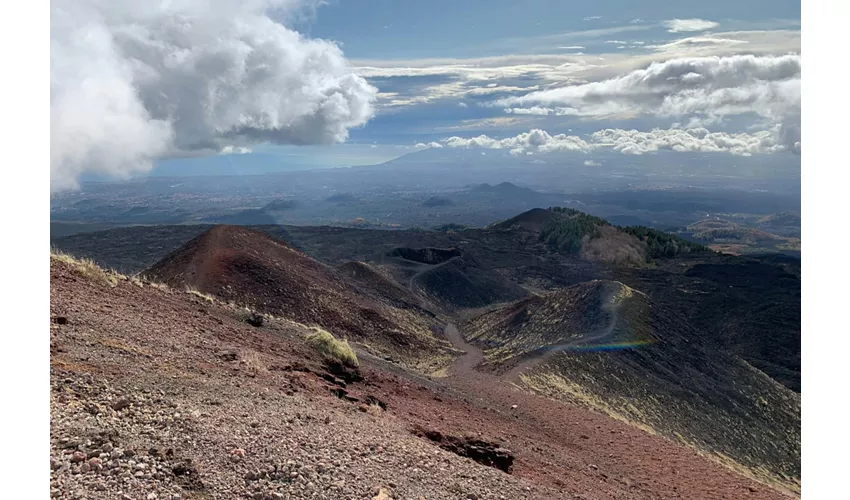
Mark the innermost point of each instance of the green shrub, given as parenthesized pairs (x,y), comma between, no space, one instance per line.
(661,244)
(566,232)
(324,342)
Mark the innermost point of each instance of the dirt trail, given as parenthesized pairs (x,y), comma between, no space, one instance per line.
(465,363)
(586,446)
(540,356)
(428,267)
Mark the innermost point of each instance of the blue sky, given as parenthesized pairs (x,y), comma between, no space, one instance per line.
(180,84)
(394,29)
(424,56)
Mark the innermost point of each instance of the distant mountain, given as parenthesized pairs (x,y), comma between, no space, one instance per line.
(572,232)
(531,220)
(505,189)
(437,201)
(781,219)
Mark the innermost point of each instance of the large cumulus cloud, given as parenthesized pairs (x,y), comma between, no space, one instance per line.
(134,81)
(703,89)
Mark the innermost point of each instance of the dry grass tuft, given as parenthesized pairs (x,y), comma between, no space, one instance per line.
(88,269)
(197,293)
(332,347)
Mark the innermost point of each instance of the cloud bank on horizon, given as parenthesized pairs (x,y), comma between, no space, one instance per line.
(702,90)
(134,82)
(633,142)
(742,86)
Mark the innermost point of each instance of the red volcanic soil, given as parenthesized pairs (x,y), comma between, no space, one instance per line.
(581,453)
(251,268)
(184,352)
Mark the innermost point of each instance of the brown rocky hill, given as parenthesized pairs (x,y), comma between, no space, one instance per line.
(157,392)
(611,347)
(253,269)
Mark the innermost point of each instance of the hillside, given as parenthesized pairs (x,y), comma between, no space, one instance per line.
(612,348)
(251,268)
(199,404)
(374,282)
(746,306)
(449,278)
(735,238)
(572,232)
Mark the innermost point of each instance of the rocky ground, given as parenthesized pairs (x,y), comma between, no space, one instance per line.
(161,394)
(157,394)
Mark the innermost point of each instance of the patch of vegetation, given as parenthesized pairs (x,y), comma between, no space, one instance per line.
(661,244)
(197,293)
(327,344)
(566,233)
(450,227)
(88,269)
(250,316)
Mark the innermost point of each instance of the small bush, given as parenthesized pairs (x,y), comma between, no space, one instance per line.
(251,317)
(332,347)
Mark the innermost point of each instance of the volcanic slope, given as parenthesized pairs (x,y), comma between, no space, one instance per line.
(253,269)
(371,280)
(450,278)
(609,346)
(181,399)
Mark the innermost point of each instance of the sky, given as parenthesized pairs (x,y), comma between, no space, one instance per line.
(291,84)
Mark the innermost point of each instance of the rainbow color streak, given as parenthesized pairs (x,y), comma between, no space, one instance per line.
(613,346)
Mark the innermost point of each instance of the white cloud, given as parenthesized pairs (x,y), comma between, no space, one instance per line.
(572,47)
(535,140)
(630,142)
(422,145)
(132,82)
(775,42)
(591,163)
(693,140)
(591,18)
(470,76)
(462,105)
(682,25)
(707,89)
(235,150)
(498,122)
